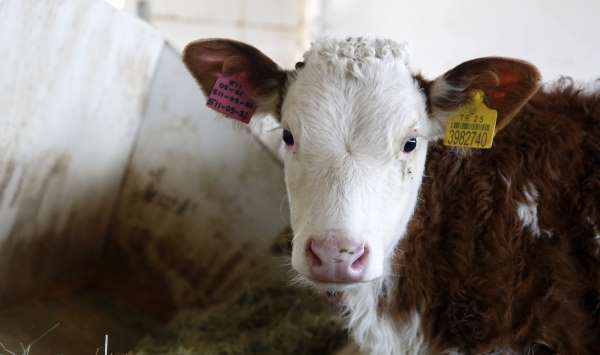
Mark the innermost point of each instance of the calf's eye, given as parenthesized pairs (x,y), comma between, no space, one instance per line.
(288,138)
(410,145)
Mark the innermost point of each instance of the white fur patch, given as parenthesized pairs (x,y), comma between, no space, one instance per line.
(527,211)
(378,334)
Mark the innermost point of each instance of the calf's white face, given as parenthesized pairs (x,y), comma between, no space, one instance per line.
(353,169)
(356,126)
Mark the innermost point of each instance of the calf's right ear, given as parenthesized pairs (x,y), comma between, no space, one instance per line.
(208,59)
(507,84)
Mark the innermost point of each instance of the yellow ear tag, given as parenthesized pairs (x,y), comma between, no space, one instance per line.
(472,125)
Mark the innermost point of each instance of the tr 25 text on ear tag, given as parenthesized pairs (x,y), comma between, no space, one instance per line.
(472,125)
(230,97)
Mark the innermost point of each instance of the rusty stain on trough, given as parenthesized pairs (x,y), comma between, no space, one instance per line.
(169,203)
(8,171)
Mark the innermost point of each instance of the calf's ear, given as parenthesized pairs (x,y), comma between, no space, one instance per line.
(507,85)
(209,59)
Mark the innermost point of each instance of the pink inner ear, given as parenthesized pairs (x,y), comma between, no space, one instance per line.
(508,81)
(212,57)
(235,65)
(509,78)
(222,62)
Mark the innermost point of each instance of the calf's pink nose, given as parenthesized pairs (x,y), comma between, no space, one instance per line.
(336,260)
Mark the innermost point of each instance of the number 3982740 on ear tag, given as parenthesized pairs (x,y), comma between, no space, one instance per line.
(472,125)
(230,97)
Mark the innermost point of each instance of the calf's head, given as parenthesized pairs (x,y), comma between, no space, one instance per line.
(355,127)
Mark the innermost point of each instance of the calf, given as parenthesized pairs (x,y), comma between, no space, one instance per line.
(433,249)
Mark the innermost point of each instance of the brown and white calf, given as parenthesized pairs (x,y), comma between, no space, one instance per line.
(435,250)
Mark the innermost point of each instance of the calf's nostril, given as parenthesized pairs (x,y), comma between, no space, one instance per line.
(360,262)
(312,256)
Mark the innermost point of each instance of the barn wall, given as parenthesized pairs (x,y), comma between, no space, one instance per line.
(281,28)
(73,80)
(560,37)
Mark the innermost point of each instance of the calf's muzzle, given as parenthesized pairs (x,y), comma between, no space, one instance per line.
(336,260)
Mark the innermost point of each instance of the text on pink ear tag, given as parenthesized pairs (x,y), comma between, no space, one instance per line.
(229,97)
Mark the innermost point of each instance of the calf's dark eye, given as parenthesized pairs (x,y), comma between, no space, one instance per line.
(410,145)
(288,138)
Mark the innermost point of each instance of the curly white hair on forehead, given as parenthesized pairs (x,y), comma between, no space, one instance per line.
(353,53)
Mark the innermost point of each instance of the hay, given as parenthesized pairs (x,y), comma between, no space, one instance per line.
(267,317)
(26,350)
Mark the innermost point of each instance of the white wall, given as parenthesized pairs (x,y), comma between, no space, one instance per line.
(280,28)
(560,37)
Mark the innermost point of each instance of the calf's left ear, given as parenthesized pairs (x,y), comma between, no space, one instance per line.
(507,85)
(209,59)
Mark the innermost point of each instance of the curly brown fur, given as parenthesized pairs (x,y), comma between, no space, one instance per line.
(481,280)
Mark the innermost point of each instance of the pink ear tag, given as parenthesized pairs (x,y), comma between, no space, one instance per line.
(230,97)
